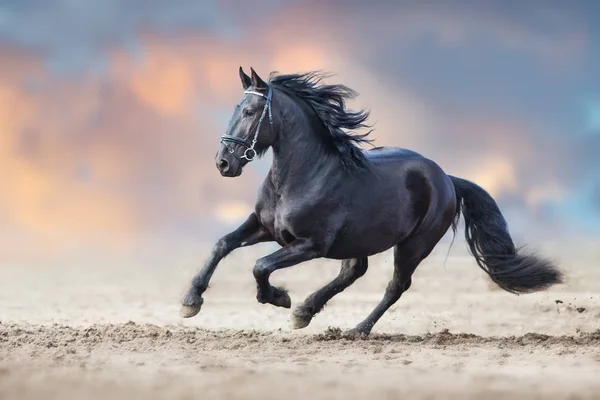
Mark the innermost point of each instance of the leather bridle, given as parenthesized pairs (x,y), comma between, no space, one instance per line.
(250,152)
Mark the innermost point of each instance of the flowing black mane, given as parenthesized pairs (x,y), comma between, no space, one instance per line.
(329,103)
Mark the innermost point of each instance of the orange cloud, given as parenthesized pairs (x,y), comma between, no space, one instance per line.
(108,158)
(301,57)
(38,194)
(497,174)
(165,82)
(234,212)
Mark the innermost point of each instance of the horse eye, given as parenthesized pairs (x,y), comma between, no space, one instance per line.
(248,112)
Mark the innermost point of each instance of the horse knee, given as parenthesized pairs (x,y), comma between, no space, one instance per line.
(223,246)
(260,269)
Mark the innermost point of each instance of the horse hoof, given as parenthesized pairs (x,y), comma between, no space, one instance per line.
(190,304)
(189,311)
(356,334)
(300,318)
(281,298)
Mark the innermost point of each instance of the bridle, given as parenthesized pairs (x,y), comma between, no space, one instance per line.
(250,153)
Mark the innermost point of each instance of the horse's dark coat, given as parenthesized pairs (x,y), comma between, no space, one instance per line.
(326,197)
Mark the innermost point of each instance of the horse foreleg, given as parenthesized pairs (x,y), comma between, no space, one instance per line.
(296,252)
(249,233)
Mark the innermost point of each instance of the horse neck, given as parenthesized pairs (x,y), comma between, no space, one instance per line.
(300,156)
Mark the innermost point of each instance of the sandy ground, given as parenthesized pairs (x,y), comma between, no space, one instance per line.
(84,332)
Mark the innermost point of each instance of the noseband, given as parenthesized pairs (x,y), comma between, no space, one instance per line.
(250,153)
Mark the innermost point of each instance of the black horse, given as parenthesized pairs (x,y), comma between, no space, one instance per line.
(325,197)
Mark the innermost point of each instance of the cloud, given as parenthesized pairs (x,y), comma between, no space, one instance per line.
(233,212)
(96,156)
(107,160)
(382,26)
(126,150)
(73,33)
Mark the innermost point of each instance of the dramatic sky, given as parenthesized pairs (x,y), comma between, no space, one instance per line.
(111,111)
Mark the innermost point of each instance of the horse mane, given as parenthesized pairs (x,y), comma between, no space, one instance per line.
(329,103)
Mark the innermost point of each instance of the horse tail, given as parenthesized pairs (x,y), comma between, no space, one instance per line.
(490,243)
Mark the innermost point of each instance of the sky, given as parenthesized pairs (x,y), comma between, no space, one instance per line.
(111,112)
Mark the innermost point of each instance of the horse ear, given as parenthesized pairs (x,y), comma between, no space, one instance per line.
(257,82)
(246,80)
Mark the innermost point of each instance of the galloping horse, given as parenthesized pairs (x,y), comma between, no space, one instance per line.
(325,197)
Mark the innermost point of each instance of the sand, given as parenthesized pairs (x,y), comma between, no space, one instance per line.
(113,332)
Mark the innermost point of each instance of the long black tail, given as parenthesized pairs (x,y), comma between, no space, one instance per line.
(490,243)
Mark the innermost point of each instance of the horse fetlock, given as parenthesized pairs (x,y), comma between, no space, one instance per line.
(281,298)
(275,296)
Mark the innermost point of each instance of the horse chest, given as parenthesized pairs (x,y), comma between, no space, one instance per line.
(275,220)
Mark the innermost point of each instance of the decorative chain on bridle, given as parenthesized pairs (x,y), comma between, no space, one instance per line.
(250,152)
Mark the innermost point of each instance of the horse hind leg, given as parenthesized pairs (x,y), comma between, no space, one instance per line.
(407,257)
(351,270)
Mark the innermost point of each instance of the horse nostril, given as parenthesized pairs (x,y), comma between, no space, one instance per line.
(223,165)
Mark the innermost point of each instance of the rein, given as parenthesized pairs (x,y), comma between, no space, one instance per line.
(250,153)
